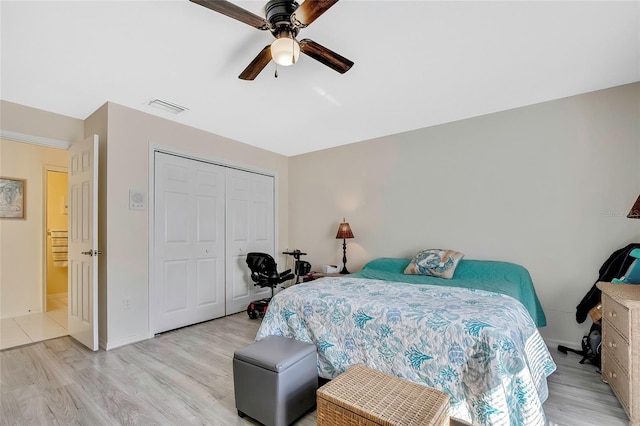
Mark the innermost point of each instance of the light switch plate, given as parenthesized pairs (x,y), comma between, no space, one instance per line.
(137,200)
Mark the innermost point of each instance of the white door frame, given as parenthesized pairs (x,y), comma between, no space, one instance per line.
(171,150)
(46,168)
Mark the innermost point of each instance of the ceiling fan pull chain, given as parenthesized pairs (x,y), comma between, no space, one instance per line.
(276,73)
(293,49)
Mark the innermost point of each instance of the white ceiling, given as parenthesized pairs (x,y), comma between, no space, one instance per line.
(417,63)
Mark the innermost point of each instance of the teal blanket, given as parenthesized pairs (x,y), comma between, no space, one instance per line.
(480,347)
(499,277)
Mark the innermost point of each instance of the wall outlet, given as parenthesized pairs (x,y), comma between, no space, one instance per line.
(126,303)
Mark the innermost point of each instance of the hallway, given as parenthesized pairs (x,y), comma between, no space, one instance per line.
(32,328)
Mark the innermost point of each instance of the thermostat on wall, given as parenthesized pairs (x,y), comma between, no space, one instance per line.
(137,200)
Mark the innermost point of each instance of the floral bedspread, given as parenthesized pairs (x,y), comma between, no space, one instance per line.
(482,348)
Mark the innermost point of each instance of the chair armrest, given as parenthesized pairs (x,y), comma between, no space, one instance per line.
(287,277)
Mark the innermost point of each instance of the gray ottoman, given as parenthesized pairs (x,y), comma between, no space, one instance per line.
(275,380)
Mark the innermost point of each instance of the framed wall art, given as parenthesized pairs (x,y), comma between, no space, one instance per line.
(12,197)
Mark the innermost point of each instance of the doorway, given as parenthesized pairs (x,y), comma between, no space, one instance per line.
(56,261)
(51,321)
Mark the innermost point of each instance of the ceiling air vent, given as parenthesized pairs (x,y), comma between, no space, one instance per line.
(167,106)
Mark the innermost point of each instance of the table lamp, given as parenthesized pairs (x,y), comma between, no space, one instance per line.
(344,232)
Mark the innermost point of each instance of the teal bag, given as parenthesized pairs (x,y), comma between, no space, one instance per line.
(633,273)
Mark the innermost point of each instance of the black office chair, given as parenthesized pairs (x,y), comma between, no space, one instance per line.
(264,273)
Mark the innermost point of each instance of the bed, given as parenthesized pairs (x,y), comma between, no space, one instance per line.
(500,277)
(481,347)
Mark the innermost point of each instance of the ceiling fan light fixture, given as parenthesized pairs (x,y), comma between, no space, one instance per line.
(285,51)
(283,19)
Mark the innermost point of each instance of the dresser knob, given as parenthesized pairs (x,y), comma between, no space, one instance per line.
(613,375)
(613,345)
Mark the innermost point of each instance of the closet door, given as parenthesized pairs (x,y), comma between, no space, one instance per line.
(189,242)
(250,227)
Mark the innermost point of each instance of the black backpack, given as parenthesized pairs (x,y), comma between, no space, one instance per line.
(614,267)
(591,344)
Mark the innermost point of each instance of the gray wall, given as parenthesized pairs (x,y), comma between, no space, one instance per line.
(547,186)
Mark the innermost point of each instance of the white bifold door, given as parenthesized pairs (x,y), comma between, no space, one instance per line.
(250,228)
(206,218)
(189,242)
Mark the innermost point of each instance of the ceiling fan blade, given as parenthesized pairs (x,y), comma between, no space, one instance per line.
(324,55)
(236,12)
(257,65)
(310,10)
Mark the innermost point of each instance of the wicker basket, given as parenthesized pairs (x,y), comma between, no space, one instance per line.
(365,397)
(596,313)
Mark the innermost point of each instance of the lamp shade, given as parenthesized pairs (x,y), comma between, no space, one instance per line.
(344,231)
(635,210)
(285,51)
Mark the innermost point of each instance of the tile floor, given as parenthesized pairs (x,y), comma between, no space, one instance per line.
(31,328)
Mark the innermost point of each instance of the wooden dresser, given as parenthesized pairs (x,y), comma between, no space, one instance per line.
(621,344)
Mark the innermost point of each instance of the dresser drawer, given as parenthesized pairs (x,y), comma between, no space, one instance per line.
(616,345)
(616,377)
(616,314)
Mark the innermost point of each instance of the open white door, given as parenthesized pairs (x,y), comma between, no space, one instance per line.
(83,242)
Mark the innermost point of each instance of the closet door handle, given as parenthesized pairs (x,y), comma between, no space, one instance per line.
(91,252)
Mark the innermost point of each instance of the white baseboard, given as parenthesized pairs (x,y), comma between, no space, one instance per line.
(28,311)
(122,342)
(58,296)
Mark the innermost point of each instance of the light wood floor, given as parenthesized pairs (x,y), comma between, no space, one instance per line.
(184,377)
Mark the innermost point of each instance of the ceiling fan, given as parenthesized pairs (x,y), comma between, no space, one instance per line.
(284,19)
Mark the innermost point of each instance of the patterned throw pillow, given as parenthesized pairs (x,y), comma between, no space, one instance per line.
(435,262)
